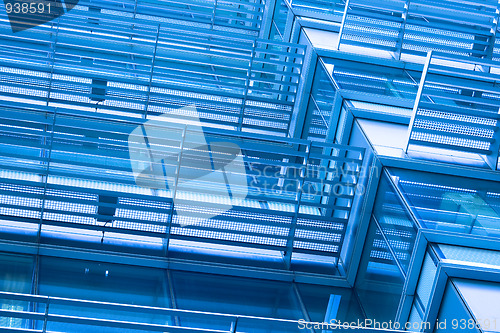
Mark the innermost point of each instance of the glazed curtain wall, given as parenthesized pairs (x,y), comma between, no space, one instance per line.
(154,287)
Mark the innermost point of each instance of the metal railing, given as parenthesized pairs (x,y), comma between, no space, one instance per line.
(69,172)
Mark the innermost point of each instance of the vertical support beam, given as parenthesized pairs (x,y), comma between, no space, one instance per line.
(293,223)
(214,12)
(234,325)
(46,180)
(166,240)
(247,85)
(46,315)
(333,123)
(400,41)
(436,297)
(171,291)
(418,98)
(153,60)
(302,306)
(52,62)
(342,25)
(296,125)
(374,175)
(267,18)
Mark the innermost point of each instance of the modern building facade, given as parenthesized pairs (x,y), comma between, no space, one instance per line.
(250,166)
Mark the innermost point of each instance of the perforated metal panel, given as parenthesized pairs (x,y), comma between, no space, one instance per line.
(237,17)
(426,281)
(417,26)
(72,170)
(332,8)
(121,65)
(457,108)
(375,24)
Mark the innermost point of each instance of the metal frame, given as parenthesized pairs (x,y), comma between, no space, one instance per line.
(475,116)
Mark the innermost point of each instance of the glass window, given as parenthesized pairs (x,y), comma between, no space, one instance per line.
(453,315)
(395,221)
(316,299)
(321,108)
(451,203)
(380,281)
(483,300)
(243,296)
(374,79)
(279,19)
(103,282)
(16,273)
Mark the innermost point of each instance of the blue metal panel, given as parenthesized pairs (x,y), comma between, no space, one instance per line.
(457,108)
(146,68)
(59,166)
(415,27)
(331,10)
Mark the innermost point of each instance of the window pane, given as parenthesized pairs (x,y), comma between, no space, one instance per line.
(15,276)
(395,222)
(103,282)
(225,294)
(316,299)
(380,282)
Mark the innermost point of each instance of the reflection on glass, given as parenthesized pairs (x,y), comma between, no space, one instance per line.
(321,105)
(380,282)
(15,276)
(483,300)
(395,222)
(451,203)
(279,20)
(316,300)
(243,296)
(106,283)
(374,79)
(454,313)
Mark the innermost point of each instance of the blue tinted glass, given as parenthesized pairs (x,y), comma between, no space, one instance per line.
(453,314)
(279,19)
(395,222)
(103,282)
(374,79)
(451,203)
(380,282)
(243,296)
(16,272)
(316,299)
(321,110)
(483,300)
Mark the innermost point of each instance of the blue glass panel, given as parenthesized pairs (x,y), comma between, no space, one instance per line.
(483,300)
(321,111)
(395,222)
(279,20)
(380,282)
(243,296)
(316,300)
(451,203)
(16,273)
(106,283)
(374,79)
(453,311)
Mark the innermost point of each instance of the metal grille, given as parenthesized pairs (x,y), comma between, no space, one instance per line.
(415,26)
(72,170)
(121,65)
(457,108)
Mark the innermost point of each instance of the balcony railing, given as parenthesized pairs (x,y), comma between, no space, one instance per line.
(130,66)
(35,313)
(70,174)
(457,110)
(414,27)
